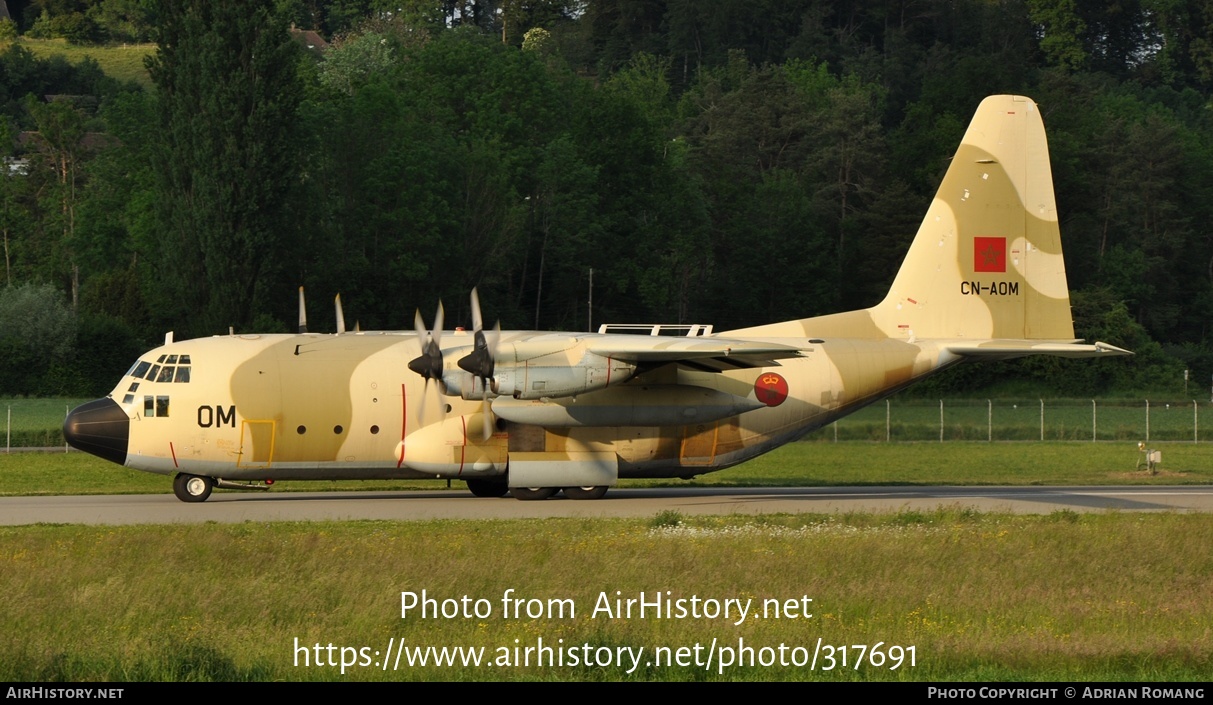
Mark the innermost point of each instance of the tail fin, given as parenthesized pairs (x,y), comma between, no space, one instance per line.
(986,262)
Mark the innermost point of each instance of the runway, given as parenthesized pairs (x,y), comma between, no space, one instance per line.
(229,507)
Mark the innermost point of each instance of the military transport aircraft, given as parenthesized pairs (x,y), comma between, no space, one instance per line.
(537,413)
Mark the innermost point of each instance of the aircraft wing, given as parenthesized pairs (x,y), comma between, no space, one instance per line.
(715,354)
(1006,349)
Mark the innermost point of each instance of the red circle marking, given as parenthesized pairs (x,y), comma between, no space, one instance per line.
(771,389)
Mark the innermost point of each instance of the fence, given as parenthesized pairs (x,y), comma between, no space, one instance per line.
(1025,420)
(36,423)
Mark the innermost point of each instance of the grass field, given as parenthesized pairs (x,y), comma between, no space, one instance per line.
(796,464)
(121,61)
(958,594)
(948,595)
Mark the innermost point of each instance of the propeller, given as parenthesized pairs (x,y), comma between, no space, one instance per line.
(340,315)
(481,362)
(429,363)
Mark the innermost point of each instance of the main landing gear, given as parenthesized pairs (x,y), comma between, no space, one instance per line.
(535,493)
(192,488)
(585,492)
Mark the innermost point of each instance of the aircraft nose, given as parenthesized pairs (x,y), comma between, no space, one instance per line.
(99,427)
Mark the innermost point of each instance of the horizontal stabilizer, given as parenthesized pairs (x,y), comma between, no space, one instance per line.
(1006,349)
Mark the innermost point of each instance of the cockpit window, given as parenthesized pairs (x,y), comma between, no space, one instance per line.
(175,368)
(161,358)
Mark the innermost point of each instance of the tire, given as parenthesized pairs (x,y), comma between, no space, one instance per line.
(533,493)
(487,488)
(192,488)
(585,492)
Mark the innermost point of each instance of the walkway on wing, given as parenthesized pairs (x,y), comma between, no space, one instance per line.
(458,504)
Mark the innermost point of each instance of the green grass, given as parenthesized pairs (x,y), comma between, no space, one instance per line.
(121,61)
(978,596)
(796,464)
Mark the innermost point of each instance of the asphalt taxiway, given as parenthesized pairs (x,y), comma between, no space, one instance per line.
(230,507)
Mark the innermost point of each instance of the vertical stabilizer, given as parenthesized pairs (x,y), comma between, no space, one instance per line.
(987,261)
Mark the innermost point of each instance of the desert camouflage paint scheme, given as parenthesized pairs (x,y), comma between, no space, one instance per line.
(984,279)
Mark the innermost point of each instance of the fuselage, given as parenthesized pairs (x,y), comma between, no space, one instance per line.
(316,406)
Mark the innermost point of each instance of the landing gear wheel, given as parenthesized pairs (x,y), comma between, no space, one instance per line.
(533,493)
(585,492)
(192,488)
(487,488)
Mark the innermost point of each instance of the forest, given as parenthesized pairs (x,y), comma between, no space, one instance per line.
(730,162)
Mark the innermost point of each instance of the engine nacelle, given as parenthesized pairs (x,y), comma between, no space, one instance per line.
(556,375)
(455,447)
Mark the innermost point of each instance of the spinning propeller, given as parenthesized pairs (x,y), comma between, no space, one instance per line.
(429,363)
(481,362)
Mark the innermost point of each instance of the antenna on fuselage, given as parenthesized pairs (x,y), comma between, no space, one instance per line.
(302,312)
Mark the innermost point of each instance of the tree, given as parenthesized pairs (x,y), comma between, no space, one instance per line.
(37,332)
(228,99)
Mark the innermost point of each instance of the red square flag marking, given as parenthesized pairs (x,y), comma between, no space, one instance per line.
(989,254)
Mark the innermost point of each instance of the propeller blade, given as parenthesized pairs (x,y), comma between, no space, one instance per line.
(340,315)
(302,312)
(486,415)
(477,321)
(480,361)
(430,399)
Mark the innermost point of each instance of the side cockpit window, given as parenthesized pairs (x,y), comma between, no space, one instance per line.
(155,406)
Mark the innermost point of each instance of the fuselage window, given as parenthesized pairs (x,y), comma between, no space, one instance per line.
(161,406)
